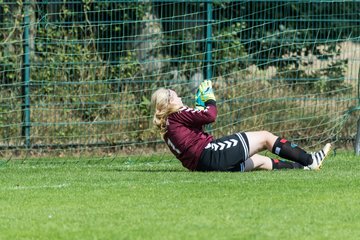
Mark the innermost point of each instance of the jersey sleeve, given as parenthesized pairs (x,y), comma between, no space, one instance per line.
(194,117)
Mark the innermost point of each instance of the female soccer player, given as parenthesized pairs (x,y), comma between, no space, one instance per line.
(182,130)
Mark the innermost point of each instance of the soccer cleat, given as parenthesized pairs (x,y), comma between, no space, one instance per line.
(318,157)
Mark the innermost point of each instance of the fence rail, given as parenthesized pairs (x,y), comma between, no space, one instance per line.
(80,74)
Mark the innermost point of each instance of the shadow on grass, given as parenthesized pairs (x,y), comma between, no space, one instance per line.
(148,170)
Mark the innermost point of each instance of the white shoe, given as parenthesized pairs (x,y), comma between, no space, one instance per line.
(318,157)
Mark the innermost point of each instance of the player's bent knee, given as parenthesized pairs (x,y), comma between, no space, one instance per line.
(269,138)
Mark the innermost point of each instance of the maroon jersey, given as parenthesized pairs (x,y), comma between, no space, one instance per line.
(185,136)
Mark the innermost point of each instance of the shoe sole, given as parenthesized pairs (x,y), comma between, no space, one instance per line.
(326,150)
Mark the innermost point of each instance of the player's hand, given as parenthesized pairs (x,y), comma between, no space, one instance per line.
(205,91)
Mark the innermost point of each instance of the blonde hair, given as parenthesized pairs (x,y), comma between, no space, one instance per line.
(160,100)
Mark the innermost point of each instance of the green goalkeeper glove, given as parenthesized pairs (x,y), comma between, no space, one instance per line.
(199,104)
(203,94)
(206,92)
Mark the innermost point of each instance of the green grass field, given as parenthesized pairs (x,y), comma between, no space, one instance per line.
(67,199)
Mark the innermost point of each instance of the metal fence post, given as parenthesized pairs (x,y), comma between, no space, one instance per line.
(25,106)
(209,18)
(357,140)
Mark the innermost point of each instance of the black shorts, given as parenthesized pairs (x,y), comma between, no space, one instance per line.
(225,154)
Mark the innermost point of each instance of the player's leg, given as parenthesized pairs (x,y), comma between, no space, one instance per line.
(262,140)
(265,163)
(257,161)
(259,141)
